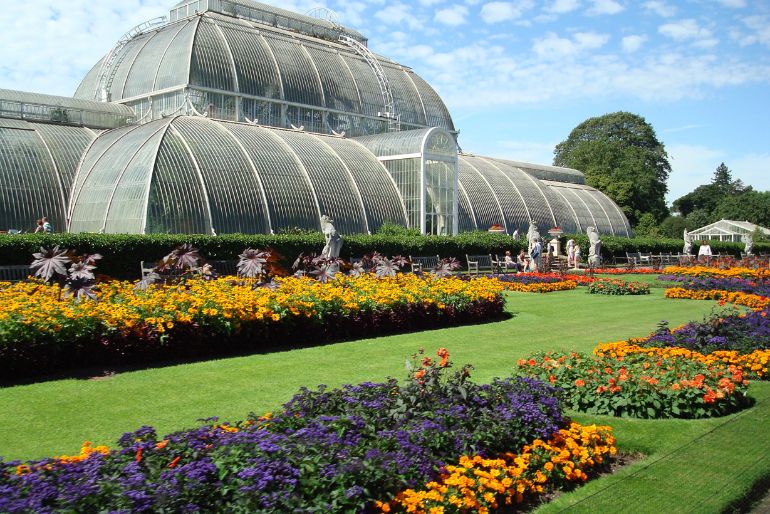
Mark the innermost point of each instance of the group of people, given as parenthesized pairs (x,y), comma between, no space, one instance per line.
(529,261)
(43,225)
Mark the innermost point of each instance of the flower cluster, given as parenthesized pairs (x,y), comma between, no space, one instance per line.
(541,287)
(758,287)
(742,332)
(707,271)
(642,385)
(478,484)
(192,317)
(753,364)
(328,451)
(752,301)
(618,287)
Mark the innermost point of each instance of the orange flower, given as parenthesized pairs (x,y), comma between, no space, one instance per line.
(174,462)
(419,374)
(138,457)
(580,382)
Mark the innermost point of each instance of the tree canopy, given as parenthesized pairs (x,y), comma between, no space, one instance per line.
(621,156)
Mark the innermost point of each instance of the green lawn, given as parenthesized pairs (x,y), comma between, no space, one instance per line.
(712,461)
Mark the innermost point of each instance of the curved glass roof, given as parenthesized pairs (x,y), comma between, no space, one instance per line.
(492,191)
(218,53)
(62,110)
(545,172)
(193,175)
(37,166)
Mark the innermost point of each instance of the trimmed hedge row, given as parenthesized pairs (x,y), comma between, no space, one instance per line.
(123,252)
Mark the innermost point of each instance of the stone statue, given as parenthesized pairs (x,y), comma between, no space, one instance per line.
(687,250)
(748,240)
(516,235)
(333,239)
(532,235)
(594,247)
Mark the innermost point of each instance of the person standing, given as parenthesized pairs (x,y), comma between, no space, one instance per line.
(704,252)
(576,256)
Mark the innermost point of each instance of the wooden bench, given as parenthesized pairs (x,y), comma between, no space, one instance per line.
(478,263)
(420,263)
(14,273)
(225,267)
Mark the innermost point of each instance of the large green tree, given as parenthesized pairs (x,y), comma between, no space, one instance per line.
(750,205)
(621,156)
(707,197)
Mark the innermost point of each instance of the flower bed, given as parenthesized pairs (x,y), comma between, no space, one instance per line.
(753,364)
(625,271)
(328,451)
(641,385)
(708,271)
(41,330)
(752,301)
(478,484)
(541,287)
(618,287)
(758,287)
(742,332)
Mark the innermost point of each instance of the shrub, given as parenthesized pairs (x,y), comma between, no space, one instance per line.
(618,287)
(639,385)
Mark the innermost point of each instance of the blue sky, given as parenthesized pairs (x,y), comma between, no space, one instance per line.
(517,76)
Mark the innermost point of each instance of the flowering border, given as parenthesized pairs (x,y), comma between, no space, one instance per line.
(754,364)
(752,301)
(477,484)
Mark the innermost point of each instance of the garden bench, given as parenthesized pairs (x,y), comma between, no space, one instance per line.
(421,262)
(225,267)
(501,266)
(14,273)
(633,258)
(478,263)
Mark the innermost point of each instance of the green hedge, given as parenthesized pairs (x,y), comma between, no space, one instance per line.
(122,252)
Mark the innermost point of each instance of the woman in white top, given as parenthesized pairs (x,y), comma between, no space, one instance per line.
(704,252)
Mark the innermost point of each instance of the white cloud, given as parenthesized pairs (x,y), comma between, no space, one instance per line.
(428,3)
(398,14)
(555,47)
(605,7)
(494,12)
(759,27)
(562,6)
(660,8)
(689,30)
(452,16)
(633,43)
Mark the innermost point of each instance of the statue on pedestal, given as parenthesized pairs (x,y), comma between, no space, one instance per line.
(594,247)
(333,238)
(748,240)
(687,250)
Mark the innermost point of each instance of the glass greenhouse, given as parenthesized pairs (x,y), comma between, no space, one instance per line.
(727,230)
(235,116)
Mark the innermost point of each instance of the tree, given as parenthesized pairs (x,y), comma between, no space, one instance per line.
(673,227)
(647,226)
(705,198)
(621,156)
(753,206)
